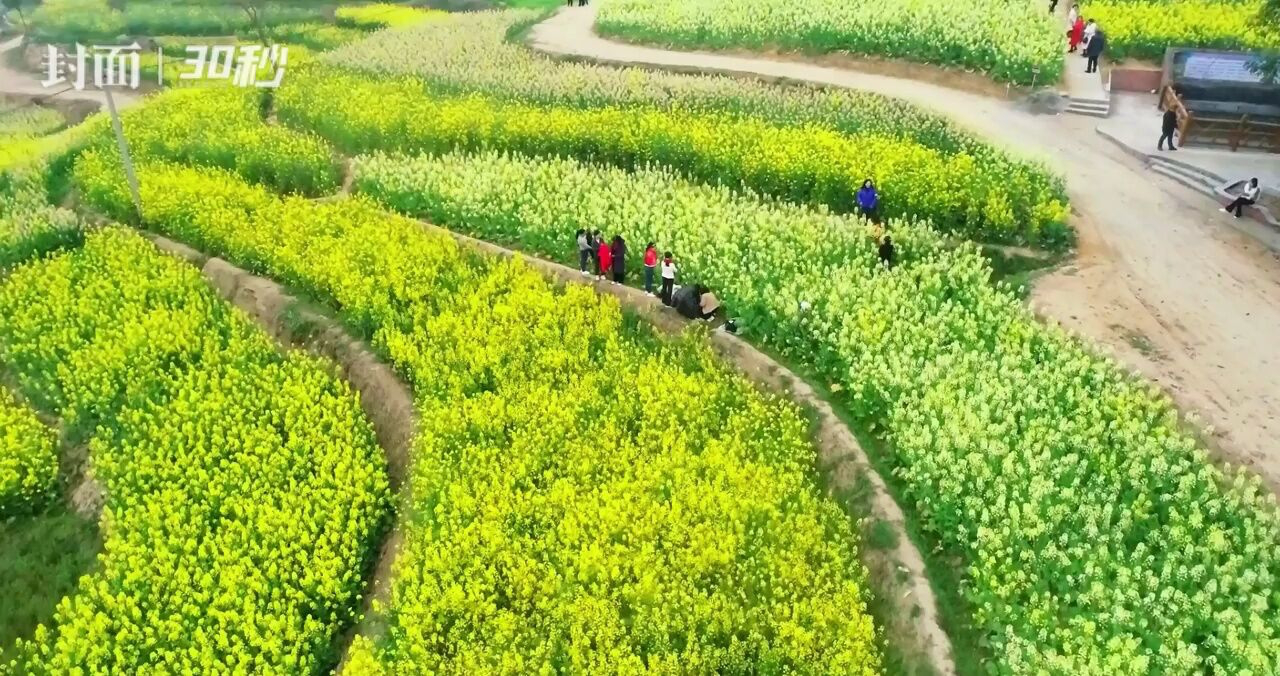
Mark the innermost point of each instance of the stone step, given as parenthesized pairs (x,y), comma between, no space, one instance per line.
(1091,109)
(1187,171)
(1185,178)
(1172,159)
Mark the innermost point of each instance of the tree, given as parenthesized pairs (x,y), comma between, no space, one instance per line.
(15,4)
(1271,14)
(1268,66)
(254,8)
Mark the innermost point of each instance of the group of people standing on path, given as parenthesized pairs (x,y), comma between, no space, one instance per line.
(609,258)
(1086,33)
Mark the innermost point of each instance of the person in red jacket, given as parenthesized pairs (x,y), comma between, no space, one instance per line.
(606,258)
(1076,34)
(650,263)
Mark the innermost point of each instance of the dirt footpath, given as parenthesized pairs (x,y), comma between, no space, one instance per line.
(1193,304)
(1162,277)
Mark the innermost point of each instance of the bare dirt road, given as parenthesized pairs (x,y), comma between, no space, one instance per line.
(1161,277)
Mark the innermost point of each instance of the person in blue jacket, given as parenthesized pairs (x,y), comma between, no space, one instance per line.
(869,201)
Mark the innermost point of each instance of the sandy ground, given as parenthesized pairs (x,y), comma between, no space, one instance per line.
(1161,278)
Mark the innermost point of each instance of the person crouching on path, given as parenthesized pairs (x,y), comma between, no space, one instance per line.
(605,254)
(708,303)
(1075,35)
(584,251)
(619,258)
(650,262)
(869,201)
(668,277)
(1168,125)
(1247,197)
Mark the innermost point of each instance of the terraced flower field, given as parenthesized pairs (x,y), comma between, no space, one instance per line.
(32,175)
(223,128)
(1010,40)
(1060,467)
(584,496)
(537,405)
(800,164)
(912,349)
(245,492)
(998,196)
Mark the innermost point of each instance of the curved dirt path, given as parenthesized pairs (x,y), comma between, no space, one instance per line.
(1161,276)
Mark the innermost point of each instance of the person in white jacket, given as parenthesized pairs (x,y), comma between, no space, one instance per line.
(1090,29)
(1247,197)
(668,270)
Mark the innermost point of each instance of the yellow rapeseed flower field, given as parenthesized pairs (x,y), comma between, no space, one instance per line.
(1010,40)
(1143,29)
(806,164)
(28,458)
(584,497)
(244,489)
(1079,505)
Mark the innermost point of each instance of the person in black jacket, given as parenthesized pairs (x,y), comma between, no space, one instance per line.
(619,260)
(887,252)
(1167,126)
(688,300)
(1093,52)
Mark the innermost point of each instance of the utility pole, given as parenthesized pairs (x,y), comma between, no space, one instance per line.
(125,158)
